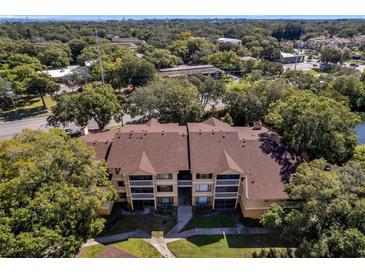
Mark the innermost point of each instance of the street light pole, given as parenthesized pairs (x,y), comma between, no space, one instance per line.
(100,62)
(300,40)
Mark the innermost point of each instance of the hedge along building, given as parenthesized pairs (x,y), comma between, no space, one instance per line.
(201,164)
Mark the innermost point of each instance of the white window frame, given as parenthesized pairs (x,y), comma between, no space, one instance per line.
(202,188)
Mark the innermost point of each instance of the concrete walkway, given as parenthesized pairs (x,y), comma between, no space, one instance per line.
(221,230)
(161,246)
(184,215)
(116,238)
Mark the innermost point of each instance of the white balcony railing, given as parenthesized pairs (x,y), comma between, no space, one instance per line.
(222,195)
(143,196)
(140,182)
(228,182)
(184,182)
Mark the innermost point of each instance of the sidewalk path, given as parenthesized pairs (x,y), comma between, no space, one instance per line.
(184,215)
(161,246)
(218,231)
(116,238)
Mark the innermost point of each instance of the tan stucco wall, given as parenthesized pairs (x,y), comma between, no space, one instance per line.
(255,208)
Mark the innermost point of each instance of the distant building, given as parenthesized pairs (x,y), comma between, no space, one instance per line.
(248,58)
(90,63)
(38,40)
(290,58)
(59,75)
(359,40)
(229,41)
(191,70)
(317,43)
(129,43)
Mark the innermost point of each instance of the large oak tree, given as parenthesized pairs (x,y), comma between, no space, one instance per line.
(50,190)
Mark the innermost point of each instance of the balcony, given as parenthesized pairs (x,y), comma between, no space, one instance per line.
(143,196)
(184,183)
(224,195)
(228,182)
(140,183)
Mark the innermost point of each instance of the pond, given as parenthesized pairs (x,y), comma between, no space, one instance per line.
(360,130)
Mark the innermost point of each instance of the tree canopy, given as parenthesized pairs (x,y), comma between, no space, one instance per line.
(249,102)
(315,125)
(95,101)
(227,60)
(50,190)
(41,84)
(331,55)
(171,100)
(330,218)
(210,90)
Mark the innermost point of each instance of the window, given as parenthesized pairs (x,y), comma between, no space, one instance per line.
(202,200)
(122,195)
(167,176)
(203,188)
(165,200)
(142,189)
(167,188)
(120,183)
(226,189)
(140,178)
(202,176)
(228,177)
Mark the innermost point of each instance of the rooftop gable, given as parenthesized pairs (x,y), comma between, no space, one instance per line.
(145,165)
(229,164)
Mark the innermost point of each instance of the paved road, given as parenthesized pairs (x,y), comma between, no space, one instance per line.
(8,129)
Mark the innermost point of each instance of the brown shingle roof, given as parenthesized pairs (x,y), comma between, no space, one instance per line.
(151,147)
(209,145)
(216,147)
(101,142)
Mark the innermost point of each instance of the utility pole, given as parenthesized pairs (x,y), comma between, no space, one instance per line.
(300,40)
(100,62)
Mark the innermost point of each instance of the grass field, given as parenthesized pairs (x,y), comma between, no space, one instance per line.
(139,248)
(136,247)
(154,224)
(224,246)
(91,251)
(211,220)
(28,107)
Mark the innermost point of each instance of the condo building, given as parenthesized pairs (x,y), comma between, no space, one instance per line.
(200,164)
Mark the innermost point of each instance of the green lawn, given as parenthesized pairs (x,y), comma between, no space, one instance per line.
(154,224)
(136,247)
(228,246)
(28,107)
(91,251)
(211,220)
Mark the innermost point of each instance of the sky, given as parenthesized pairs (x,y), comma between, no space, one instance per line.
(182,7)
